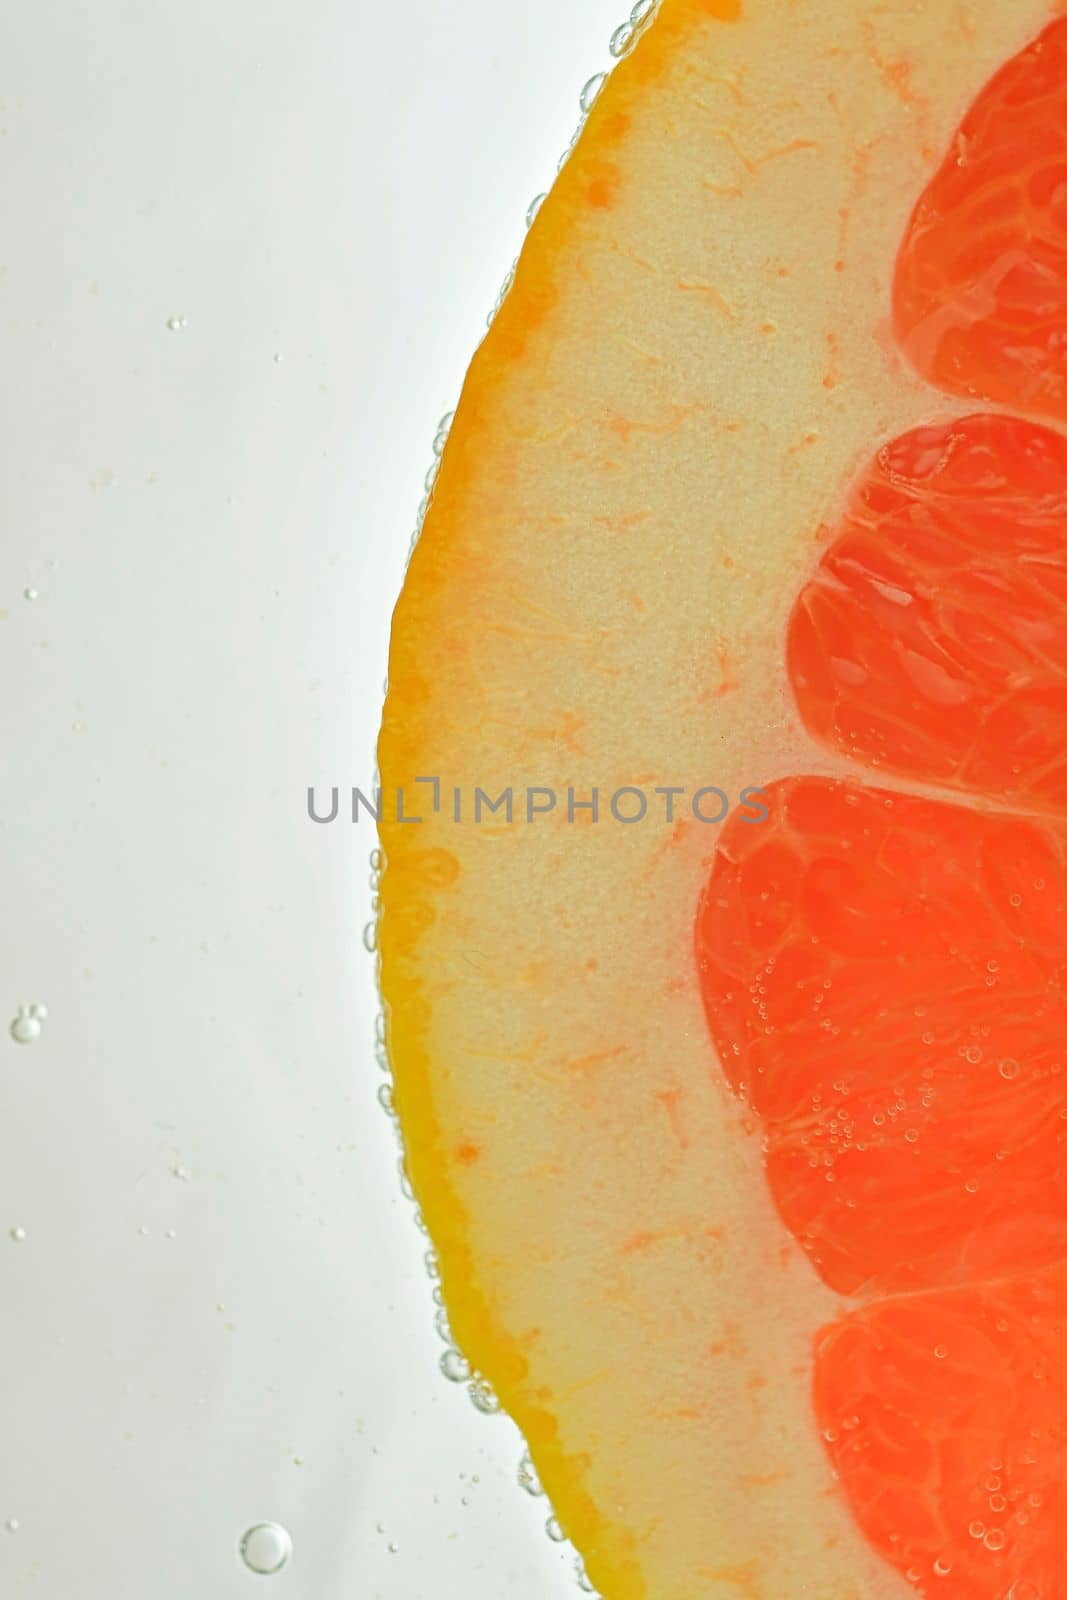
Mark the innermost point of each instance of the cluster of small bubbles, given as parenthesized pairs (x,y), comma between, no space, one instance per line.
(26,1026)
(505,290)
(554,1531)
(455,1366)
(440,438)
(483,1397)
(588,96)
(527,1476)
(370,937)
(266,1548)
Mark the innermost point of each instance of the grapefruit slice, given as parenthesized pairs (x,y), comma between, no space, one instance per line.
(659,572)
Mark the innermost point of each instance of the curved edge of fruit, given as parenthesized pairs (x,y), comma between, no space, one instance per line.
(410,878)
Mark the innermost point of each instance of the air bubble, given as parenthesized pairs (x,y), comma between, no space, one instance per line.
(622,40)
(18,1234)
(942,1568)
(587,98)
(30,593)
(1008,1069)
(266,1548)
(455,1366)
(534,207)
(582,1577)
(175,324)
(995,1539)
(385,1099)
(527,1476)
(642,11)
(370,937)
(940,1352)
(12,1524)
(26,1026)
(977,1530)
(554,1531)
(565,157)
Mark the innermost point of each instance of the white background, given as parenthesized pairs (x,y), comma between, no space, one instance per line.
(216,520)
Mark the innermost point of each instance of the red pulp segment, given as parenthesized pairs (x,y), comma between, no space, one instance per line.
(980,295)
(945,1416)
(884,981)
(931,641)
